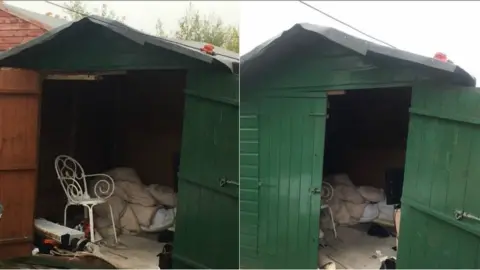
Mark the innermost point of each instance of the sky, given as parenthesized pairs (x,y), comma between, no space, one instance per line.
(143,15)
(420,27)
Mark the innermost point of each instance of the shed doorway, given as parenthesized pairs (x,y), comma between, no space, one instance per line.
(365,145)
(128,120)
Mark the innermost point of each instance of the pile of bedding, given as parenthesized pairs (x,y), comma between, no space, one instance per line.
(136,207)
(351,205)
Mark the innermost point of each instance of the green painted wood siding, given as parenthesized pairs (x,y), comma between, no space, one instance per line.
(305,72)
(249,173)
(442,175)
(207,216)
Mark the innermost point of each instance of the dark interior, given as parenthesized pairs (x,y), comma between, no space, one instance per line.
(129,120)
(367,134)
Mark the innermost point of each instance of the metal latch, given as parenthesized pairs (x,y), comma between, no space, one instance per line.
(315,190)
(461,214)
(223,181)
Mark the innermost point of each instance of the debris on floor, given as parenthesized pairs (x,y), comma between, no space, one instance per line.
(390,263)
(136,252)
(165,257)
(146,216)
(355,249)
(378,231)
(329,266)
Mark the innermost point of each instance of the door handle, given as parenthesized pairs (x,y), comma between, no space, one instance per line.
(316,190)
(224,181)
(1,210)
(459,214)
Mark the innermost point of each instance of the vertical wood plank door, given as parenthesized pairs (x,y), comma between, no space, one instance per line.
(19,107)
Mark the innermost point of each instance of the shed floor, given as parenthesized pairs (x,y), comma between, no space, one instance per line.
(355,249)
(133,252)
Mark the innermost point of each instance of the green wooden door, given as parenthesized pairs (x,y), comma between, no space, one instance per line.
(207,215)
(291,143)
(442,175)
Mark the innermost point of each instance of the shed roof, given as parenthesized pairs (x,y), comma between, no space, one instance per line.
(191,49)
(276,47)
(43,21)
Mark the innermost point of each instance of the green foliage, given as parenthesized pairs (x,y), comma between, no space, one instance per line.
(211,29)
(78,9)
(232,42)
(192,26)
(159,29)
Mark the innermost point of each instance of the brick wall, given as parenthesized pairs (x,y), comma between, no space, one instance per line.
(15,31)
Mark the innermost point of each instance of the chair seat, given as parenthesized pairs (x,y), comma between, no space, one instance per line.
(89,201)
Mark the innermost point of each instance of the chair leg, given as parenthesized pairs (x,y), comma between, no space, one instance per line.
(333,221)
(113,224)
(65,214)
(92,228)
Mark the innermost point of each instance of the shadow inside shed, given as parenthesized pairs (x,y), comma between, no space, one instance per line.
(131,120)
(366,134)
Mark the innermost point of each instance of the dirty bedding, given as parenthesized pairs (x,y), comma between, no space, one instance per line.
(352,205)
(136,207)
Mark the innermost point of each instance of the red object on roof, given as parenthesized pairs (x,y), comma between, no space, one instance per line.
(441,57)
(208,49)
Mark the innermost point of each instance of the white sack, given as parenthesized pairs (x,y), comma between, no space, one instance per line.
(371,194)
(370,213)
(340,179)
(355,210)
(144,214)
(349,194)
(124,174)
(128,222)
(341,216)
(163,195)
(118,208)
(134,193)
(386,211)
(162,219)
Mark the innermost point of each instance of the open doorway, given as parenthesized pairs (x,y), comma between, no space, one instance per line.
(128,125)
(365,145)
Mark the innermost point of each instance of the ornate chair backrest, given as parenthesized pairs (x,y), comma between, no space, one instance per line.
(72,177)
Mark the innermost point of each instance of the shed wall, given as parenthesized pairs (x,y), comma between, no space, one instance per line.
(330,68)
(334,68)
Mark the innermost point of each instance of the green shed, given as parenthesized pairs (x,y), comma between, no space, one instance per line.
(315,102)
(144,102)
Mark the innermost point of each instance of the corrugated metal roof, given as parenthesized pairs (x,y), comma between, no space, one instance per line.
(189,48)
(46,20)
(272,49)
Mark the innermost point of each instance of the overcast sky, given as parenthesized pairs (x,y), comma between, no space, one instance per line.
(419,27)
(143,15)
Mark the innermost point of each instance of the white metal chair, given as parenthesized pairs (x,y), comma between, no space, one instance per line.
(326,196)
(74,183)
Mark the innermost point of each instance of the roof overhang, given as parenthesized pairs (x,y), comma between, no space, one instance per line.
(9,58)
(276,47)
